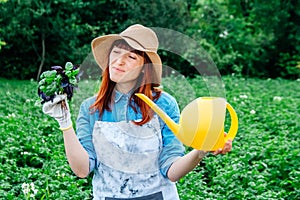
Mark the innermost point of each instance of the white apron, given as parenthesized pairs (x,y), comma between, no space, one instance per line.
(127,162)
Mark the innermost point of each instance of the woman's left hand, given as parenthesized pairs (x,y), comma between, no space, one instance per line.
(227,147)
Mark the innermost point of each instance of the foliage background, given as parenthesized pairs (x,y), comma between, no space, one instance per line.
(252,38)
(263,164)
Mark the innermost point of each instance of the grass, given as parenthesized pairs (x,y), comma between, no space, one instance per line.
(264,162)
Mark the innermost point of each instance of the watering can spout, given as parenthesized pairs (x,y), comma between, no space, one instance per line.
(170,123)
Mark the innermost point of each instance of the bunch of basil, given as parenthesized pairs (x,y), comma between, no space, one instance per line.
(58,80)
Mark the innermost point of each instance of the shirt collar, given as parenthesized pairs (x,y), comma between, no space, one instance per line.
(119,95)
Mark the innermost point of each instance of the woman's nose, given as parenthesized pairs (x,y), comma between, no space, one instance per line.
(120,60)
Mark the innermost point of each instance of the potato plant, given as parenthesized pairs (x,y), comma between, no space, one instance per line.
(263,164)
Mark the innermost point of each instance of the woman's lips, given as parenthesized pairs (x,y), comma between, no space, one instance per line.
(118,69)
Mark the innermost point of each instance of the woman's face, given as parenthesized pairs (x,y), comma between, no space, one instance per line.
(124,66)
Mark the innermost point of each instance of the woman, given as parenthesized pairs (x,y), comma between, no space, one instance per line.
(131,151)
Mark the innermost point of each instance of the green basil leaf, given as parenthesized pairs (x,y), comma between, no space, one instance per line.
(68,66)
(73,81)
(68,73)
(43,88)
(42,82)
(75,72)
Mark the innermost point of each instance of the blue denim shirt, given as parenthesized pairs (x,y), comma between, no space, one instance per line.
(172,147)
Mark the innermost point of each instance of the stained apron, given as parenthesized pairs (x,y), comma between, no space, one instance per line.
(127,162)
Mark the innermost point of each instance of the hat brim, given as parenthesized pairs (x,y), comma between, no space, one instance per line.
(101,47)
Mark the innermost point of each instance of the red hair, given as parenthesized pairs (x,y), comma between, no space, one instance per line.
(146,84)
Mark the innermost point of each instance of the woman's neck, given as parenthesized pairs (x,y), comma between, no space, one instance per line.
(124,88)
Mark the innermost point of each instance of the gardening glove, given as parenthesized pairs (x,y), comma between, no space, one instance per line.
(58,108)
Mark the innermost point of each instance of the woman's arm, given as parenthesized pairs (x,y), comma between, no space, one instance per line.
(185,164)
(188,162)
(77,156)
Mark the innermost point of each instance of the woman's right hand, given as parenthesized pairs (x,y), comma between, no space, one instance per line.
(58,108)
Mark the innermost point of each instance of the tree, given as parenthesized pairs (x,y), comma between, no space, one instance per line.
(253,38)
(40,34)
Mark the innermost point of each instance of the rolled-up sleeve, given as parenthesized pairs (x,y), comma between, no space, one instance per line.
(84,128)
(172,147)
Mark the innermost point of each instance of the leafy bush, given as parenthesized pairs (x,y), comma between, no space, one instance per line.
(264,162)
(250,38)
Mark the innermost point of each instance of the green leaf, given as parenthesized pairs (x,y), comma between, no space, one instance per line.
(68,73)
(58,79)
(49,79)
(68,66)
(42,82)
(51,89)
(73,81)
(50,74)
(75,72)
(42,76)
(42,88)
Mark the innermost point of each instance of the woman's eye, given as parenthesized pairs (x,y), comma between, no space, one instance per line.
(132,57)
(116,52)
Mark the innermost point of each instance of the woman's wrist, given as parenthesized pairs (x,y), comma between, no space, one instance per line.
(67,128)
(201,154)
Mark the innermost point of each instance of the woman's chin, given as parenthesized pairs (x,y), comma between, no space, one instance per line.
(116,79)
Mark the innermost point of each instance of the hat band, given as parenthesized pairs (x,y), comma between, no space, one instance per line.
(135,41)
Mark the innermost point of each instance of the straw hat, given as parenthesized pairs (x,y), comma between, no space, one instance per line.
(138,37)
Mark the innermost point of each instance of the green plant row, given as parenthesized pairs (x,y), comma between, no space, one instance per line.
(264,162)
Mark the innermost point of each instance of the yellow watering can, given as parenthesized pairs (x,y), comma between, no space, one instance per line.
(201,124)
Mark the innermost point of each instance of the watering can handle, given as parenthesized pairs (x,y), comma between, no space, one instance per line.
(234,123)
